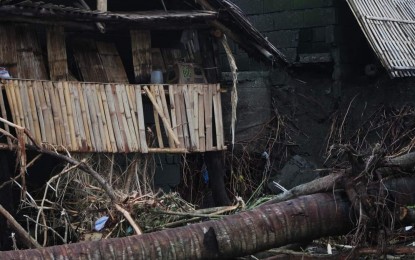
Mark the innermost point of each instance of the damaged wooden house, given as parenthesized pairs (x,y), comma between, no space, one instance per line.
(117,77)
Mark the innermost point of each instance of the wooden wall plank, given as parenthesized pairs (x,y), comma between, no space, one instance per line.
(202,134)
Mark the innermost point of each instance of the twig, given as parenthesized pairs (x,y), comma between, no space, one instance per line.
(24,236)
(127,215)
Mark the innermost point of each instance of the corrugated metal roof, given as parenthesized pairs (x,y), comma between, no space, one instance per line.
(389,26)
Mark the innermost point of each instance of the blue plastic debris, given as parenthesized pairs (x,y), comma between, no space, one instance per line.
(205,175)
(100,223)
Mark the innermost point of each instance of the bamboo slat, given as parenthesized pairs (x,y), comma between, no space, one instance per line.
(57,58)
(160,112)
(173,110)
(12,101)
(141,51)
(180,134)
(217,116)
(4,114)
(56,115)
(92,104)
(122,121)
(47,115)
(87,142)
(208,117)
(201,110)
(156,117)
(195,106)
(166,112)
(128,118)
(190,115)
(185,121)
(36,130)
(111,135)
(67,136)
(27,113)
(37,86)
(109,90)
(103,120)
(16,94)
(76,97)
(221,144)
(140,119)
(132,101)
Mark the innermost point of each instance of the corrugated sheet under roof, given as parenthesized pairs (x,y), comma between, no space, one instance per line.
(389,26)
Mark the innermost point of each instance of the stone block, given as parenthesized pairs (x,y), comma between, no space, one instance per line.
(285,5)
(319,34)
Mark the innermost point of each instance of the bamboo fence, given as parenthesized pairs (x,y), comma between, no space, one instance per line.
(389,26)
(101,117)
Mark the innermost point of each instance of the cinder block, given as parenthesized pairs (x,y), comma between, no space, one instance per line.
(319,17)
(250,6)
(263,22)
(319,34)
(284,39)
(289,20)
(276,5)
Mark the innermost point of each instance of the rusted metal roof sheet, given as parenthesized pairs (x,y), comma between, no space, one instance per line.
(389,26)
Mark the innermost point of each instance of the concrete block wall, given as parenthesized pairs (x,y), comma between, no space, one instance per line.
(294,26)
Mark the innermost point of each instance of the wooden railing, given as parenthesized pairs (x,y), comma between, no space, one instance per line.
(96,117)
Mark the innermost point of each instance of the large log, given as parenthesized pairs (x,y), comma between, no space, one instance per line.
(302,219)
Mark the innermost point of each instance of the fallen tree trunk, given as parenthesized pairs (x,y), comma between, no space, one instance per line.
(305,218)
(269,226)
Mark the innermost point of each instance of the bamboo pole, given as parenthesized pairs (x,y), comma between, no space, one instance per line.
(216,115)
(156,119)
(94,120)
(67,139)
(202,137)
(37,87)
(128,118)
(179,115)
(95,101)
(76,113)
(163,118)
(208,117)
(221,144)
(114,119)
(111,134)
(190,116)
(140,119)
(87,144)
(104,121)
(68,100)
(57,118)
(24,97)
(121,117)
(166,111)
(47,115)
(173,110)
(195,106)
(132,101)
(185,122)
(4,113)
